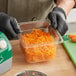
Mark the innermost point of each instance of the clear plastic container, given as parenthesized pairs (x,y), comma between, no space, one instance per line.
(43,50)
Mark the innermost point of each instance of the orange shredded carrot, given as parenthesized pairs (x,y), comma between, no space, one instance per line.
(39,46)
(73,39)
(71,36)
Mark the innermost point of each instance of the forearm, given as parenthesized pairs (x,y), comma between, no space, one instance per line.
(66,5)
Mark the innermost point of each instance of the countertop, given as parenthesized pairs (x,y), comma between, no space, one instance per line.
(61,65)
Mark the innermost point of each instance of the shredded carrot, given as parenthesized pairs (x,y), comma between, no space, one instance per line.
(72,37)
(39,46)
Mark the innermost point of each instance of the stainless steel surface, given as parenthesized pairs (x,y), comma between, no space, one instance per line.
(30,73)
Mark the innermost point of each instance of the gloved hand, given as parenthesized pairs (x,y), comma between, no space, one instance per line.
(9,26)
(57,18)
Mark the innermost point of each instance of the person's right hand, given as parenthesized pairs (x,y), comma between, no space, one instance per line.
(9,26)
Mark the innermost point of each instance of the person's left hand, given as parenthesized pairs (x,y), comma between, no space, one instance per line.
(58,20)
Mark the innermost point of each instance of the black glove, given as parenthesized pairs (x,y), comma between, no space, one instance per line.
(57,18)
(9,26)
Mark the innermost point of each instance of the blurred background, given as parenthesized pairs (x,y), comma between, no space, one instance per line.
(15,8)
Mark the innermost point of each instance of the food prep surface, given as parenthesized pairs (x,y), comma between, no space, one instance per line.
(61,65)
